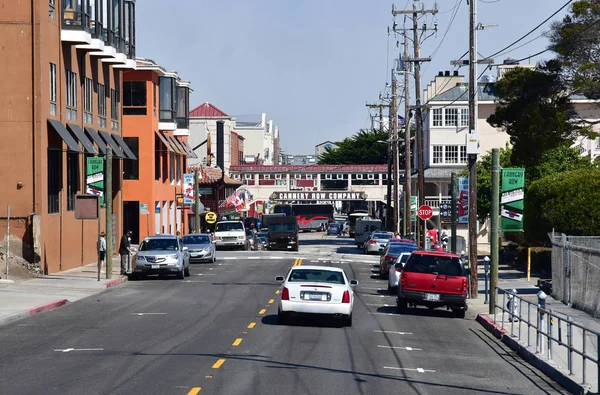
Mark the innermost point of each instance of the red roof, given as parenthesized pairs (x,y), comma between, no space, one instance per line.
(251,168)
(207,110)
(210,175)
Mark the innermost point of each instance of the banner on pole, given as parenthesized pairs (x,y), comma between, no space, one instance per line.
(511,200)
(188,189)
(413,208)
(94,177)
(463,200)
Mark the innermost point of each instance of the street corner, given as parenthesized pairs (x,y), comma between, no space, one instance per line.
(490,325)
(115,282)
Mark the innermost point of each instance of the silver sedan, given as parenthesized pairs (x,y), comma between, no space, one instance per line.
(161,254)
(377,242)
(201,247)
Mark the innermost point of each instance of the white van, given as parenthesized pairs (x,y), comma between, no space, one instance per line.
(364,228)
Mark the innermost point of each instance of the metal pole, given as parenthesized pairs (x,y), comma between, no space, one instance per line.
(494,223)
(407,157)
(109,211)
(473,157)
(98,247)
(454,213)
(7,240)
(418,121)
(394,122)
(388,212)
(196,203)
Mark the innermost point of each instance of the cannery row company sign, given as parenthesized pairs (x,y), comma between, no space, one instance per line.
(318,195)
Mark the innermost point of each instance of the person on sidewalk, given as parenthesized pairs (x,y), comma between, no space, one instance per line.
(101,251)
(124,251)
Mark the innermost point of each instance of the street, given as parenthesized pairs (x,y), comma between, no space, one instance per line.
(217,332)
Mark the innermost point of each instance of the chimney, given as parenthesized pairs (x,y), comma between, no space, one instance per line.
(220,145)
(455,73)
(446,73)
(440,73)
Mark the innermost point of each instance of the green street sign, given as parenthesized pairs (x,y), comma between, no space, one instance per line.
(511,200)
(94,179)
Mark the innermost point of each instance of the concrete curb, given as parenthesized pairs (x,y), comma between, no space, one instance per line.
(33,311)
(528,354)
(115,282)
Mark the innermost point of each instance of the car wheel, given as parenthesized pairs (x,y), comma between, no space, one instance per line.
(348,320)
(402,306)
(214,258)
(460,313)
(381,273)
(181,274)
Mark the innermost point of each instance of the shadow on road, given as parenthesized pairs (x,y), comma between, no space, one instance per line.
(417,311)
(307,320)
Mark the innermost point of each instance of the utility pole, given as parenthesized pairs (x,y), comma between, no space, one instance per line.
(388,213)
(494,226)
(196,203)
(454,212)
(394,127)
(415,12)
(472,161)
(407,161)
(109,212)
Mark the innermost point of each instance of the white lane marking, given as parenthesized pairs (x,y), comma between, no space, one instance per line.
(401,348)
(253,257)
(79,349)
(377,296)
(380,305)
(148,313)
(378,289)
(370,282)
(276,257)
(420,370)
(394,332)
(192,281)
(205,274)
(378,313)
(229,258)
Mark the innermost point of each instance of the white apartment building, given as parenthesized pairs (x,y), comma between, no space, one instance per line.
(261,140)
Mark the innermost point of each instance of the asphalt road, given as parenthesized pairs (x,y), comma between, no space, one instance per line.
(217,333)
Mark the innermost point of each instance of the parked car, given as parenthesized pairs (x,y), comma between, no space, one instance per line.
(395,271)
(316,290)
(252,239)
(231,234)
(161,254)
(434,279)
(201,247)
(377,242)
(334,229)
(390,254)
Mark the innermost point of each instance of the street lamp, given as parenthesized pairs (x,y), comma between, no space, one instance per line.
(486,267)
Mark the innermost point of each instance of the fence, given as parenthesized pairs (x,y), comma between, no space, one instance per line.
(555,336)
(576,271)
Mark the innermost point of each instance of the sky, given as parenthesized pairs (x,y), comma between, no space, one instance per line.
(312,65)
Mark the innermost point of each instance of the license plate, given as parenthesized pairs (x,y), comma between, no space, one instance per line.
(432,297)
(155,266)
(315,297)
(194,255)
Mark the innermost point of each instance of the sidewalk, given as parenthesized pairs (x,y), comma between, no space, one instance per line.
(27,298)
(522,339)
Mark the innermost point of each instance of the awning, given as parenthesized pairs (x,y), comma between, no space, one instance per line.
(65,135)
(188,149)
(124,147)
(180,146)
(112,143)
(174,144)
(164,141)
(97,139)
(78,132)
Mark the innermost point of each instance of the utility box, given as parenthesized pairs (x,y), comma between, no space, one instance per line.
(473,144)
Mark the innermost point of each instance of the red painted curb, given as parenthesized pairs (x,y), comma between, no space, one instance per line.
(488,323)
(47,307)
(114,282)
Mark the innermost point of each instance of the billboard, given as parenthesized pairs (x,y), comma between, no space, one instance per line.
(511,200)
(94,177)
(463,200)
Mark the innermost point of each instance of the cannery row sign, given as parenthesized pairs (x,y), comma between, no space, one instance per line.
(317,195)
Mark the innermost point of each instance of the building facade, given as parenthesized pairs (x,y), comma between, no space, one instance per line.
(62,64)
(156,128)
(320,149)
(261,141)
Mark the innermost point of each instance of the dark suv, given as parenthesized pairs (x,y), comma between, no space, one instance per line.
(434,279)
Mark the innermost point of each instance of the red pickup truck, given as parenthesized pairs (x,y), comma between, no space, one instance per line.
(434,279)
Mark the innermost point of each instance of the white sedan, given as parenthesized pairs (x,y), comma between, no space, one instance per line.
(316,290)
(396,270)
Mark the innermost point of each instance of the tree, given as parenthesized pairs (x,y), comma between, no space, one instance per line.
(367,147)
(576,40)
(534,109)
(566,202)
(558,160)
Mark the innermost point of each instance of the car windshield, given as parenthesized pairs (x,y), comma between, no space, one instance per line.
(404,258)
(332,226)
(433,264)
(289,227)
(381,236)
(229,226)
(398,248)
(159,245)
(196,239)
(316,276)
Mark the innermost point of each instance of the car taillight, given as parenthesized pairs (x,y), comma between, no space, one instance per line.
(372,242)
(403,279)
(285,295)
(346,297)
(388,258)
(465,285)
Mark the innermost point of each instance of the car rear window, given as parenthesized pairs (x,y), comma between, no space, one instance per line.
(317,276)
(432,264)
(380,236)
(229,226)
(400,248)
(196,239)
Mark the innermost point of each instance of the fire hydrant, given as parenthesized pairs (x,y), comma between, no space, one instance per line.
(512,306)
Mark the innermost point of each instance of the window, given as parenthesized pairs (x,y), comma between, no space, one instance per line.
(464,116)
(52,9)
(451,117)
(101,106)
(131,169)
(88,101)
(463,154)
(114,109)
(171,166)
(183,107)
(298,176)
(266,177)
(71,96)
(157,144)
(248,176)
(134,94)
(437,117)
(178,159)
(167,99)
(52,89)
(309,176)
(278,176)
(54,180)
(72,179)
(281,182)
(451,154)
(438,154)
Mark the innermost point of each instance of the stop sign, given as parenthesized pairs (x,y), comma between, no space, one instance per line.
(425,212)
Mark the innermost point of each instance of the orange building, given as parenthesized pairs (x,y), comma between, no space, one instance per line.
(156,128)
(61,64)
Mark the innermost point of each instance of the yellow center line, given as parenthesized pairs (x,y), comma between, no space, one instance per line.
(295,262)
(218,364)
(262,311)
(194,391)
(237,342)
(271,301)
(277,292)
(299,262)
(252,325)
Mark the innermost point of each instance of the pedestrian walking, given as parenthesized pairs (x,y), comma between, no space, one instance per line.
(101,251)
(124,251)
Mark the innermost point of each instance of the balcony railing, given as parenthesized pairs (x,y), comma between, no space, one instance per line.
(437,201)
(75,18)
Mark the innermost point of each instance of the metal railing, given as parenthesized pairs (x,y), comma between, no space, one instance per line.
(549,327)
(437,201)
